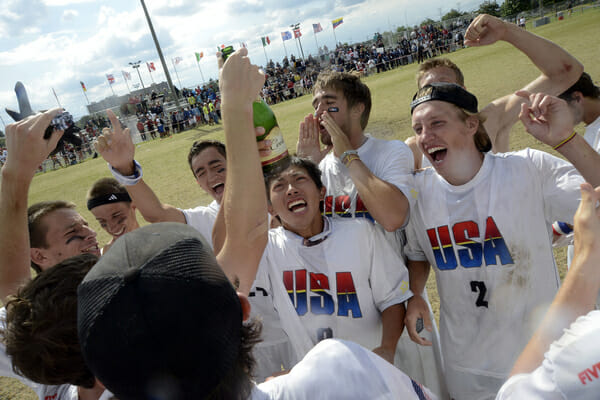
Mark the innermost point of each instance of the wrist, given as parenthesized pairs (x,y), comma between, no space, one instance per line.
(16,174)
(128,180)
(566,140)
(125,169)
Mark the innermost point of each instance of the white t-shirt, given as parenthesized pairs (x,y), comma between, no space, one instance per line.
(202,218)
(389,160)
(570,370)
(336,369)
(274,353)
(592,134)
(336,288)
(489,242)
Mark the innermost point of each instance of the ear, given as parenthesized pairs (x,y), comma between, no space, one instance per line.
(472,123)
(245,306)
(270,209)
(38,256)
(358,109)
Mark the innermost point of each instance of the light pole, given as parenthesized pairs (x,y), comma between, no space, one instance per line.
(136,66)
(160,55)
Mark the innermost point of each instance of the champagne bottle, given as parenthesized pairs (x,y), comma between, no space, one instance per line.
(279,156)
(264,116)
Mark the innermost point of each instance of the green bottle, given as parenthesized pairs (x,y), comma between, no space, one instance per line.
(279,157)
(263,116)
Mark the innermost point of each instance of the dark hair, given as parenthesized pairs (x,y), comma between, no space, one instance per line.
(37,229)
(440,63)
(304,163)
(200,145)
(354,90)
(41,326)
(585,85)
(237,385)
(104,187)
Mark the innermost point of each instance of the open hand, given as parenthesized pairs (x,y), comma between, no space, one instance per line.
(545,117)
(116,146)
(587,222)
(308,144)
(340,141)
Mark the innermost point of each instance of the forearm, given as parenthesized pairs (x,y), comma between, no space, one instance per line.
(14,232)
(392,321)
(151,207)
(418,273)
(219,233)
(384,201)
(579,153)
(552,60)
(576,297)
(245,201)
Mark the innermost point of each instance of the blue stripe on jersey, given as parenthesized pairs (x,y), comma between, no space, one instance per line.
(419,391)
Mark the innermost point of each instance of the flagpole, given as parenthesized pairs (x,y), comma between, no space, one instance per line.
(335,38)
(317,43)
(200,69)
(176,74)
(111,89)
(284,48)
(125,79)
(151,76)
(86,98)
(56,97)
(266,58)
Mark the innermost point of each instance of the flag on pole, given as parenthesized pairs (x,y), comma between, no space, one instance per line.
(297,33)
(317,27)
(287,35)
(111,78)
(126,75)
(83,86)
(199,56)
(243,44)
(177,60)
(337,22)
(265,40)
(151,66)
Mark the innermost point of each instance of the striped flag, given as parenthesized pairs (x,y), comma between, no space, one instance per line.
(177,60)
(297,33)
(199,56)
(111,78)
(317,27)
(151,66)
(337,22)
(287,35)
(265,40)
(83,86)
(126,75)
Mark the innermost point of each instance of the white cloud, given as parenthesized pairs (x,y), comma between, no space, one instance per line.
(62,3)
(19,16)
(69,15)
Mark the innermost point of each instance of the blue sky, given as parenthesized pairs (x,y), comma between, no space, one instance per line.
(54,44)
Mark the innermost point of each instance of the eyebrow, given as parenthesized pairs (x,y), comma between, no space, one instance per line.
(325,96)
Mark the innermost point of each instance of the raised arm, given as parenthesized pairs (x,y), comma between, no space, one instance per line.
(385,202)
(27,149)
(559,70)
(245,198)
(549,120)
(117,148)
(577,295)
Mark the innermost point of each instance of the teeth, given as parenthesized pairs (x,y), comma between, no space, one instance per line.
(434,149)
(296,203)
(216,185)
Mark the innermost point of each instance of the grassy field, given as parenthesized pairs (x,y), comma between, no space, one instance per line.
(490,72)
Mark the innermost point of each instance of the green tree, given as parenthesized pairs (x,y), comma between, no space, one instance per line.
(428,21)
(452,14)
(512,7)
(490,7)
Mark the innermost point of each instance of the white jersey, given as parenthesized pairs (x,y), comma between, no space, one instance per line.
(592,134)
(489,242)
(337,369)
(391,161)
(570,370)
(202,219)
(274,353)
(337,287)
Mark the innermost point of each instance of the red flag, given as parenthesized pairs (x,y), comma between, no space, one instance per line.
(297,33)
(111,78)
(83,86)
(151,66)
(268,40)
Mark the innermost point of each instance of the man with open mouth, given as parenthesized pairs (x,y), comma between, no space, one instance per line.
(493,262)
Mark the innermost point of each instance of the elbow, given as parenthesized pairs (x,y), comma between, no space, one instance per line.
(392,224)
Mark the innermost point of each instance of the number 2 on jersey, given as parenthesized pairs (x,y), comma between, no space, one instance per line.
(479,286)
